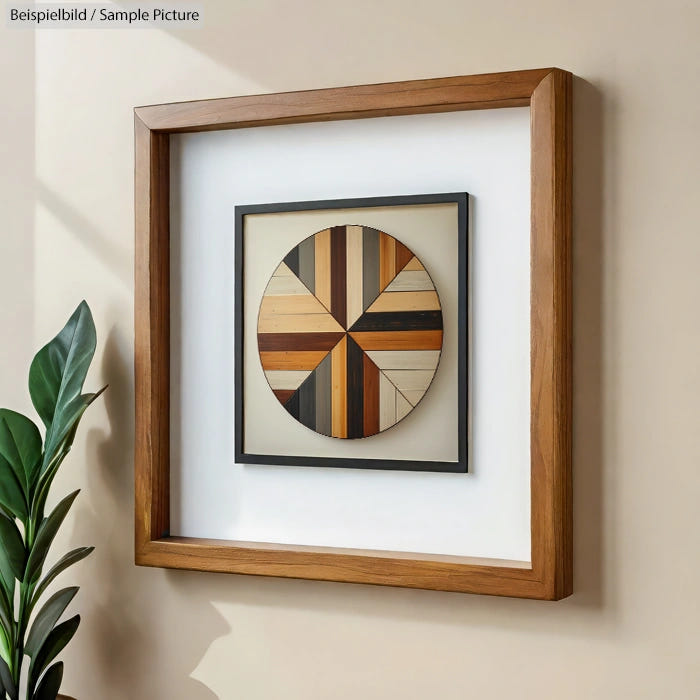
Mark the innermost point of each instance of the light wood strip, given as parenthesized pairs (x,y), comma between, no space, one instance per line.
(413,265)
(286,379)
(403,407)
(323,267)
(411,281)
(285,286)
(353,242)
(387,260)
(339,418)
(398,340)
(405,359)
(405,301)
(297,323)
(287,360)
(387,403)
(283,270)
(410,379)
(414,396)
(282,305)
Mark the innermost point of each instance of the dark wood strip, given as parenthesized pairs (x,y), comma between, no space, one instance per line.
(370,397)
(370,266)
(292,404)
(403,255)
(269,342)
(323,397)
(307,401)
(399,321)
(292,260)
(307,263)
(283,395)
(355,391)
(338,275)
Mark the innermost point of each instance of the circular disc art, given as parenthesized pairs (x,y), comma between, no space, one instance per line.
(350,331)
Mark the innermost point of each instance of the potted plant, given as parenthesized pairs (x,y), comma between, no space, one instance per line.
(28,466)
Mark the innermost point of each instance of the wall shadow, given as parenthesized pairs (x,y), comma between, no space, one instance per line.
(128,621)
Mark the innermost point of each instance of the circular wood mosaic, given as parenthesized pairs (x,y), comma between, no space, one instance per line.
(350,331)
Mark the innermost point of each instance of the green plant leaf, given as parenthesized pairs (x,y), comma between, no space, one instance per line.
(50,683)
(7,682)
(47,532)
(47,617)
(73,557)
(20,446)
(52,647)
(6,616)
(12,550)
(12,494)
(57,375)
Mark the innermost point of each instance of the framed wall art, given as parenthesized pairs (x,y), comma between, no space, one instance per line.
(364,297)
(341,329)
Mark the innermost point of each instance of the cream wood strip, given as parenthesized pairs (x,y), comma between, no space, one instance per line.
(298,323)
(403,407)
(291,304)
(285,286)
(283,379)
(414,396)
(405,301)
(410,379)
(411,281)
(322,272)
(353,245)
(413,264)
(387,403)
(283,271)
(405,359)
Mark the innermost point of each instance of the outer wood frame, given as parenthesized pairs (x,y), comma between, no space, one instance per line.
(549,575)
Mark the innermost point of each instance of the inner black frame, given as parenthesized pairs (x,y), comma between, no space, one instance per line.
(461,199)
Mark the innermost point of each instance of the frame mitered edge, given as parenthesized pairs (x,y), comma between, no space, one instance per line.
(551,329)
(551,575)
(151,335)
(484,91)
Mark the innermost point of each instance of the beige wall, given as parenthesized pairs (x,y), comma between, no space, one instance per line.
(631,629)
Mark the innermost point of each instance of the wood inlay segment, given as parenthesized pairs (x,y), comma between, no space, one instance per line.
(345,348)
(339,406)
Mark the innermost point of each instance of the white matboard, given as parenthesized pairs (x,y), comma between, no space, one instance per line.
(485,513)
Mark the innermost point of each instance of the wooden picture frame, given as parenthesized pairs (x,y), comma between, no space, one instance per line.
(549,574)
(458,199)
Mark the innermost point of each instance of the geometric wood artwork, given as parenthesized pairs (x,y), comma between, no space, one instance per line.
(350,331)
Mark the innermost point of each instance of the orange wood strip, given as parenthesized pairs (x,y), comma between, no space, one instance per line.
(323,267)
(398,340)
(387,260)
(402,257)
(283,395)
(339,408)
(291,359)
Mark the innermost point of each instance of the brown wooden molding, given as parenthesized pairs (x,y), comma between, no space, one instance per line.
(549,576)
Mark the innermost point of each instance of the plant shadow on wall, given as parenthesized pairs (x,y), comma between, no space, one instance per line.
(136,608)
